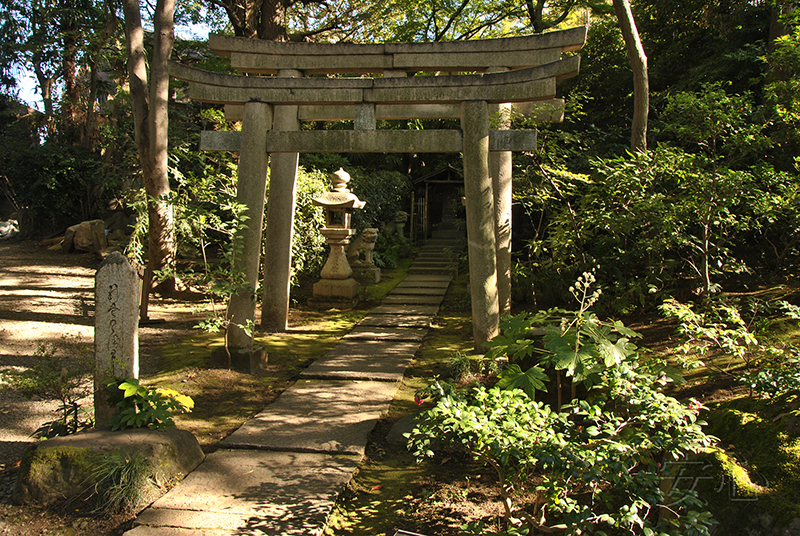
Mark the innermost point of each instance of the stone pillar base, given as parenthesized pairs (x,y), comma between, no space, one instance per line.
(367,275)
(252,359)
(345,289)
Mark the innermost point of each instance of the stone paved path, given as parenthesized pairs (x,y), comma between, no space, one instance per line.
(282,471)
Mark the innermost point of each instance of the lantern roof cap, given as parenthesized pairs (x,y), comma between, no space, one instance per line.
(340,197)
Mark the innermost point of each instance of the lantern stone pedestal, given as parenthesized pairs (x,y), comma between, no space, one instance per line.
(337,289)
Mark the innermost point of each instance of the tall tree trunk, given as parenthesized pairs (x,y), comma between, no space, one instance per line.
(69,65)
(272,24)
(162,234)
(641,83)
(151,122)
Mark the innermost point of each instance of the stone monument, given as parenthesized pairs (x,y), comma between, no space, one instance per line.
(116,329)
(337,288)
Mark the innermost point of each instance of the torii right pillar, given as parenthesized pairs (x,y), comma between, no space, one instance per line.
(500,169)
(480,205)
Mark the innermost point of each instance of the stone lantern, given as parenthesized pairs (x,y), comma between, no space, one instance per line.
(337,288)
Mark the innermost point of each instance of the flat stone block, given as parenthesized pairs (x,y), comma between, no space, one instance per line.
(405,309)
(407,291)
(408,299)
(375,349)
(162,521)
(412,283)
(398,321)
(374,368)
(387,333)
(430,271)
(143,530)
(254,492)
(317,416)
(417,278)
(60,469)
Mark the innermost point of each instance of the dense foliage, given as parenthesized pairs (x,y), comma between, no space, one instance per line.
(595,464)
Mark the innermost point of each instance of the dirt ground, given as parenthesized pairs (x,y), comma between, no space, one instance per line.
(46,295)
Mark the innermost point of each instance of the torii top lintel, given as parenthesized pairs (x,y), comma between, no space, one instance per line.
(534,61)
(268,57)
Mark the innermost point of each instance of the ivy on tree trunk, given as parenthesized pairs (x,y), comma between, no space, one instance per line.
(641,83)
(149,105)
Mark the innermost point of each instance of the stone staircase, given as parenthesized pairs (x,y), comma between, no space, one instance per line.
(439,255)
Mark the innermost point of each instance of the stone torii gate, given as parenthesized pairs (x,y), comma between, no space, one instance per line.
(520,72)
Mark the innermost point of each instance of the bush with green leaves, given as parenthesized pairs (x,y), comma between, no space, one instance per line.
(591,465)
(703,203)
(63,372)
(595,466)
(576,343)
(716,330)
(138,406)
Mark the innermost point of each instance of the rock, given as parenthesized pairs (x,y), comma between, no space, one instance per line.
(404,425)
(68,244)
(65,468)
(86,236)
(117,222)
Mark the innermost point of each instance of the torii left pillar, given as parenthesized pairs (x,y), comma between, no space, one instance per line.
(250,191)
(480,203)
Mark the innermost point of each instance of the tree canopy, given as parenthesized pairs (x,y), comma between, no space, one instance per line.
(731,61)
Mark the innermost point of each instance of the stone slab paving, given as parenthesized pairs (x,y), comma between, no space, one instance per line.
(379,333)
(397,321)
(412,299)
(405,309)
(364,360)
(418,278)
(317,416)
(422,284)
(282,471)
(418,291)
(359,368)
(378,350)
(251,492)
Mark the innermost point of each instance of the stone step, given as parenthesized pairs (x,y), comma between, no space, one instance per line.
(420,291)
(430,271)
(442,242)
(271,493)
(412,299)
(406,309)
(380,333)
(398,321)
(332,417)
(431,260)
(424,284)
(364,360)
(438,252)
(427,261)
(416,279)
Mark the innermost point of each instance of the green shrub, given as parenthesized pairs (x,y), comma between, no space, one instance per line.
(143,407)
(593,466)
